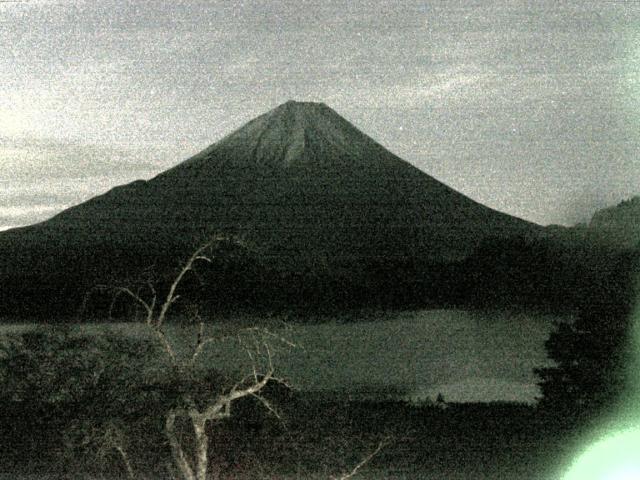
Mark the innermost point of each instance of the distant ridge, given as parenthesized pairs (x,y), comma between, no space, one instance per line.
(619,224)
(299,182)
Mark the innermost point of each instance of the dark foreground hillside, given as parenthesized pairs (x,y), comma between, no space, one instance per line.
(321,439)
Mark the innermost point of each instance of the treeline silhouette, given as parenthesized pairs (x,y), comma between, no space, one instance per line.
(556,273)
(592,353)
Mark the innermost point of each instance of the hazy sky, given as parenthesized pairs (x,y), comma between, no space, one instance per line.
(530,107)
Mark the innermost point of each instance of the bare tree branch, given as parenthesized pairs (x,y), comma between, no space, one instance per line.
(383,443)
(267,405)
(125,459)
(112,438)
(152,307)
(127,291)
(196,256)
(179,456)
(164,341)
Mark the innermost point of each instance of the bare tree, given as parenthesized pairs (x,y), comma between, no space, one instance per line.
(258,343)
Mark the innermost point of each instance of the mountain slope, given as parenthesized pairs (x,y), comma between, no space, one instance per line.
(299,182)
(619,224)
(302,179)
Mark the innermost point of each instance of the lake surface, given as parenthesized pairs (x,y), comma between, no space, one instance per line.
(465,355)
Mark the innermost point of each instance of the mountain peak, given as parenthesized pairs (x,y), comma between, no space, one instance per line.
(301,115)
(295,134)
(302,105)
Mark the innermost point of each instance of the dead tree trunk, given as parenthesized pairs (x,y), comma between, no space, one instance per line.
(179,457)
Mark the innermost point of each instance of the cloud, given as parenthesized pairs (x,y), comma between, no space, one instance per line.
(39,178)
(512,88)
(17,215)
(34,159)
(17,211)
(455,85)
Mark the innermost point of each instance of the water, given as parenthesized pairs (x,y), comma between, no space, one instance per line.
(465,355)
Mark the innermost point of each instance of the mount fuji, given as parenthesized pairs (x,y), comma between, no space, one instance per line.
(299,182)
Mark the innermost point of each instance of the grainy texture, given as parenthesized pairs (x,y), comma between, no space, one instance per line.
(528,107)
